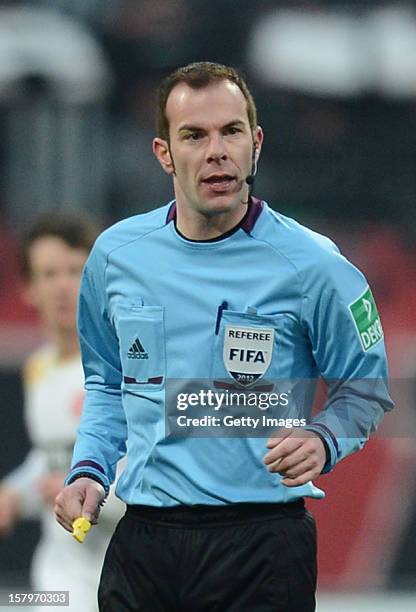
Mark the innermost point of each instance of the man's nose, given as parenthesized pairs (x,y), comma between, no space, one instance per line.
(216,151)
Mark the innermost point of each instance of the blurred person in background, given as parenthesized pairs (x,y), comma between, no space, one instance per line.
(176,294)
(53,254)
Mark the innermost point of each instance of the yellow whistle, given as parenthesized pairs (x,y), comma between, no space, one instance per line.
(80,528)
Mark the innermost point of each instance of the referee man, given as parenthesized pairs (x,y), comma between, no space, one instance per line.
(216,286)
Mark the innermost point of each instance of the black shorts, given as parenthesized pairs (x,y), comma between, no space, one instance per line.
(242,557)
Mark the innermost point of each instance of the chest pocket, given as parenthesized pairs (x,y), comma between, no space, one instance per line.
(246,348)
(141,334)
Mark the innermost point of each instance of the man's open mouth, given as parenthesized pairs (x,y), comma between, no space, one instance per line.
(218,179)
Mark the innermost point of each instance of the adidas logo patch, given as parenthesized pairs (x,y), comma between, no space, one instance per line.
(136,351)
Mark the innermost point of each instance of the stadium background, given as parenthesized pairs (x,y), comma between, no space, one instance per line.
(335,85)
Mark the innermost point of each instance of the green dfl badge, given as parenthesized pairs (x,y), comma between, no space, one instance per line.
(367,320)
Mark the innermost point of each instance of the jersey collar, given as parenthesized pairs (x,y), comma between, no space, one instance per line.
(247,223)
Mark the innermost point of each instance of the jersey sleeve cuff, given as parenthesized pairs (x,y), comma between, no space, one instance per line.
(330,443)
(89,472)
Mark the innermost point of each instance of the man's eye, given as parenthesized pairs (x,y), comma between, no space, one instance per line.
(49,273)
(193,136)
(233,130)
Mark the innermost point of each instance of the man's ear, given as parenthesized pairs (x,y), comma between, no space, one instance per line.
(258,138)
(162,152)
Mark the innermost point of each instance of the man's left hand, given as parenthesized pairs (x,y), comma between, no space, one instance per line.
(297,454)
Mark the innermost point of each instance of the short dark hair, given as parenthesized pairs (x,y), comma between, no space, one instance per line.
(199,75)
(78,232)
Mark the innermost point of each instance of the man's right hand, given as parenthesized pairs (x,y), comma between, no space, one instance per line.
(82,497)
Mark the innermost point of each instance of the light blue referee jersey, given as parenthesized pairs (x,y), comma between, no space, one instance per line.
(269,300)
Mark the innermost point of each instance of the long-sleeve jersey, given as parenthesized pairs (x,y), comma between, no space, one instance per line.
(270,299)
